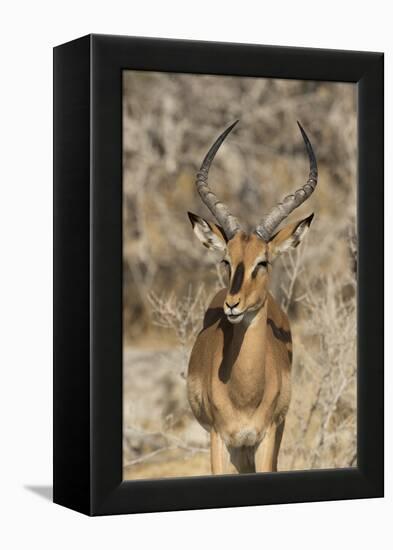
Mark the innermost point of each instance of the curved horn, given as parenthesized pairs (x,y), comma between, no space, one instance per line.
(228,222)
(290,202)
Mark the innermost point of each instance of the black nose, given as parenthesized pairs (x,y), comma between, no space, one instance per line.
(234,305)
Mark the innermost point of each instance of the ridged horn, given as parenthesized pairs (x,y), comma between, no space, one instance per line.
(273,219)
(220,211)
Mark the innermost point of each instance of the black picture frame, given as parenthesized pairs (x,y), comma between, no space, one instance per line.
(88,274)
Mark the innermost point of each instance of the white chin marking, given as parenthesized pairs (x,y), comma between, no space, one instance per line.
(235,320)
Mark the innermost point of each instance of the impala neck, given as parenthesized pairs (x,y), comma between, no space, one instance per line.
(244,357)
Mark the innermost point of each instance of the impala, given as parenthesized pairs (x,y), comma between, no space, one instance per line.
(239,375)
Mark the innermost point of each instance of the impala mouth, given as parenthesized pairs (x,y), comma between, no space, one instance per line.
(235,318)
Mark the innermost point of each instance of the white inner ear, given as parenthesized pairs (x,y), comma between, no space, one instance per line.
(207,237)
(300,232)
(296,237)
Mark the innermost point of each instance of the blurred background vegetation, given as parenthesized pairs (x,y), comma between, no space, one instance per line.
(169,122)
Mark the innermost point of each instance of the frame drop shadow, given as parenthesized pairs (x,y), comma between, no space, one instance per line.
(44,491)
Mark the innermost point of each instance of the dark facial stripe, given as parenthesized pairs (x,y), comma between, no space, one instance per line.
(237,279)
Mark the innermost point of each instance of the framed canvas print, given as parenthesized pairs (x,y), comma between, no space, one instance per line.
(218,275)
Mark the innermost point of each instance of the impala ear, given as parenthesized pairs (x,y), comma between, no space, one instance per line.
(211,235)
(289,236)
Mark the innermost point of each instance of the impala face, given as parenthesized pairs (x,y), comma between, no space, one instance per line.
(247,259)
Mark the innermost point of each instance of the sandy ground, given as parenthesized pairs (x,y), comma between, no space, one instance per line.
(161,437)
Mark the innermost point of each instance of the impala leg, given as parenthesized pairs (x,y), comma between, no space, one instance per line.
(267,451)
(216,444)
(277,444)
(219,455)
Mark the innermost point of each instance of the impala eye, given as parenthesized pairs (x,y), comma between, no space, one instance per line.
(263,263)
(227,266)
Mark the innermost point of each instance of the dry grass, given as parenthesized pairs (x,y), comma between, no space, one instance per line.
(169,121)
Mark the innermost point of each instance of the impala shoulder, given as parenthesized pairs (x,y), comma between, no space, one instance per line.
(215,310)
(219,298)
(278,320)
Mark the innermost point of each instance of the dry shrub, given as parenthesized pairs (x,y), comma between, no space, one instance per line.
(321,424)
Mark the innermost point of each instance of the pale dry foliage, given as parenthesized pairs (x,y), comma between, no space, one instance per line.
(169,278)
(181,315)
(323,409)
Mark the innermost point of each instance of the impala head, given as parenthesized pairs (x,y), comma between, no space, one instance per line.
(248,256)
